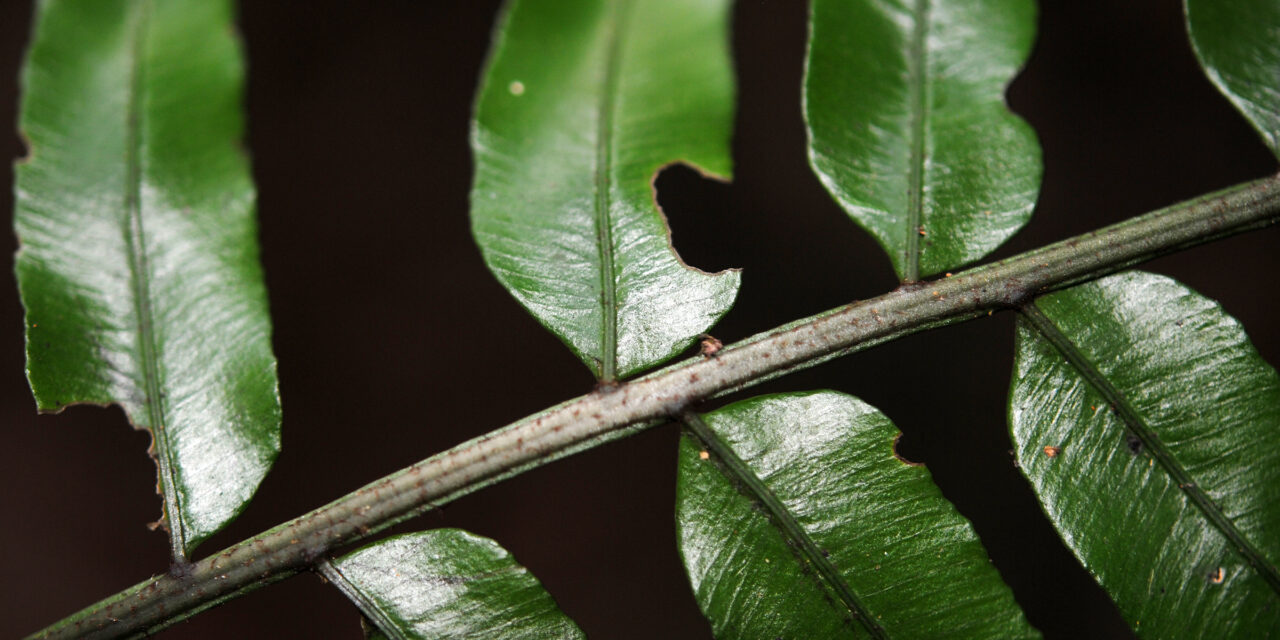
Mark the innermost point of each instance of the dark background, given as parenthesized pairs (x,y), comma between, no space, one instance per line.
(395,343)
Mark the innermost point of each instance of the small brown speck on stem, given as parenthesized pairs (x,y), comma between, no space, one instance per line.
(710,346)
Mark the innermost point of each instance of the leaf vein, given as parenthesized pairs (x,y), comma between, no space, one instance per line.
(603,200)
(917,69)
(139,280)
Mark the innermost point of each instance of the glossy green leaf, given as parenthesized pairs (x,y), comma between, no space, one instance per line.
(582,103)
(1238,44)
(795,520)
(138,263)
(1150,429)
(448,583)
(908,129)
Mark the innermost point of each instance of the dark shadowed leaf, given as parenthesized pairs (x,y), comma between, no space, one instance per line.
(580,106)
(371,630)
(138,263)
(796,520)
(1238,44)
(1150,429)
(908,128)
(447,583)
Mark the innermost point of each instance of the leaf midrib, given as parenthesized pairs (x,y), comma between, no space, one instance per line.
(782,518)
(1151,441)
(139,278)
(917,73)
(617,13)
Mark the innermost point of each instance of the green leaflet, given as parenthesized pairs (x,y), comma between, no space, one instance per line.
(138,264)
(582,103)
(1166,477)
(837,537)
(447,583)
(1238,44)
(908,129)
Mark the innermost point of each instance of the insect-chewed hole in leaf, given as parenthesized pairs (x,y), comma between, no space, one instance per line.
(906,451)
(697,210)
